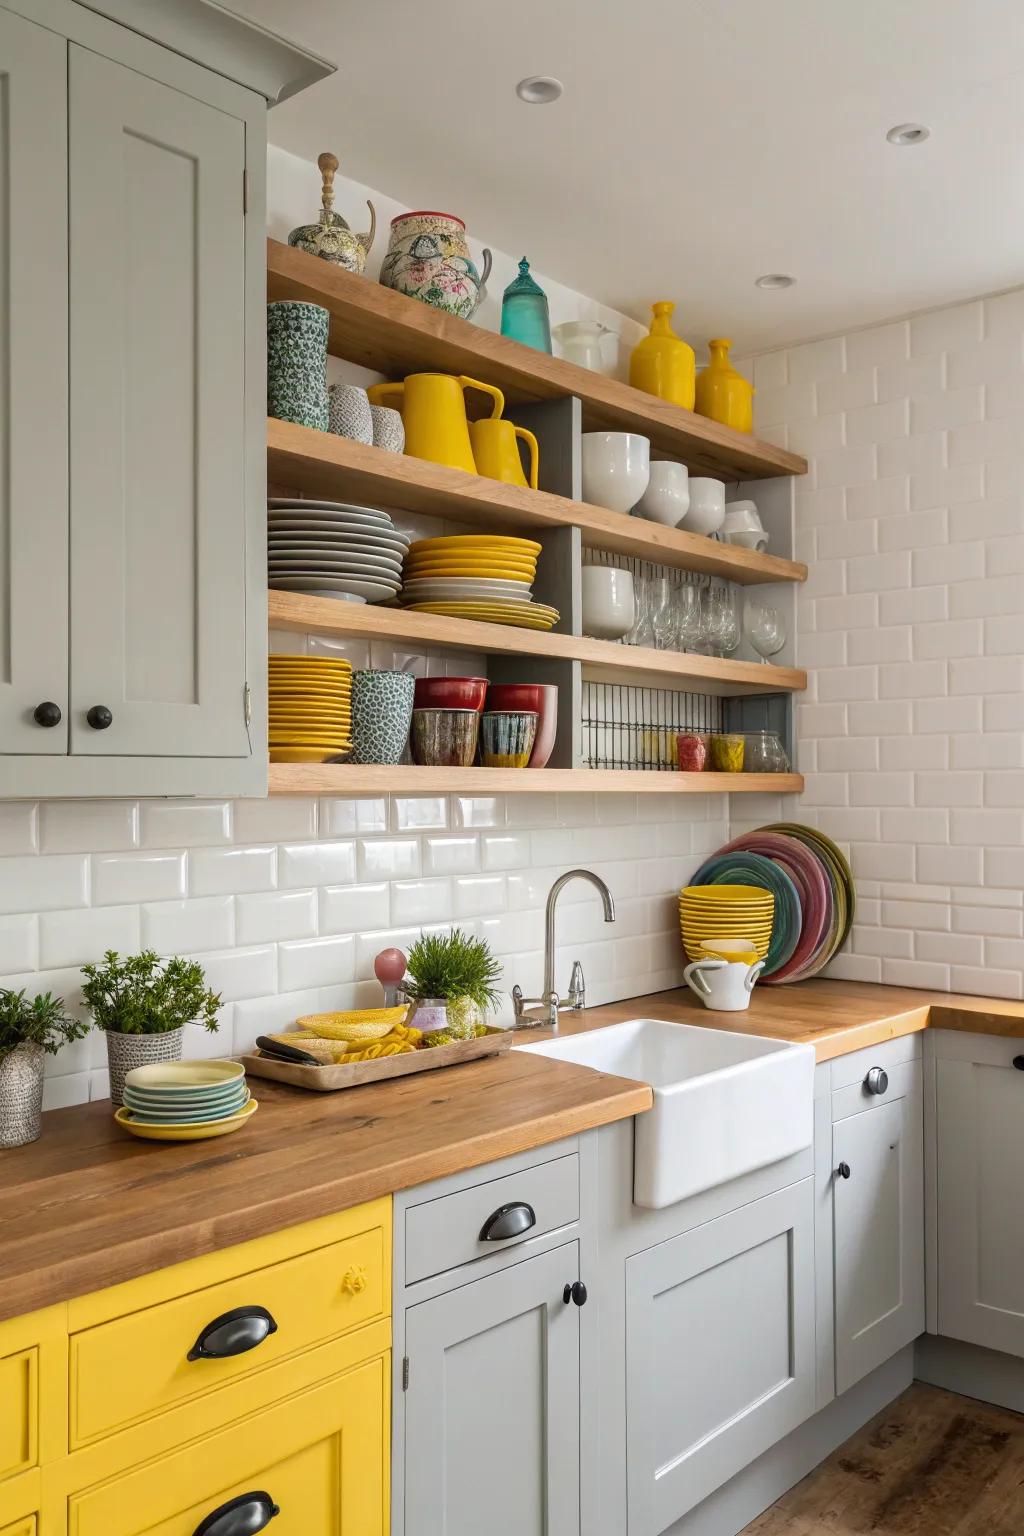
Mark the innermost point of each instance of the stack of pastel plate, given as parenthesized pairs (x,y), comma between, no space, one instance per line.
(185,1100)
(310,708)
(334,549)
(725,912)
(476,576)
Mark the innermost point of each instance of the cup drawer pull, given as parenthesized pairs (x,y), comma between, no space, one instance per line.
(243,1516)
(508,1221)
(233,1333)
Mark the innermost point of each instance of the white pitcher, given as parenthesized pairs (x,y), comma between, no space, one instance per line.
(724,985)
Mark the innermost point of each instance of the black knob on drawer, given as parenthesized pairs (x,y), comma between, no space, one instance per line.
(576,1292)
(47,714)
(877,1080)
(99,717)
(843,1171)
(243,1516)
(233,1333)
(1018,1062)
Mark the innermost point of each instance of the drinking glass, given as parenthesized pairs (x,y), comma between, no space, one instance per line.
(642,632)
(688,627)
(729,620)
(717,621)
(765,629)
(662,611)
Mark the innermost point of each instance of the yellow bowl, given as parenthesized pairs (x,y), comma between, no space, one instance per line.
(727,893)
(297,659)
(305,754)
(471,541)
(697,951)
(736,951)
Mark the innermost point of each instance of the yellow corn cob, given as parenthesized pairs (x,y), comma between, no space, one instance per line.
(364,1024)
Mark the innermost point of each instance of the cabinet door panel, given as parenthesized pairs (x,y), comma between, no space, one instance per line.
(719,1352)
(33,385)
(879,1236)
(157,417)
(492,1410)
(980,1113)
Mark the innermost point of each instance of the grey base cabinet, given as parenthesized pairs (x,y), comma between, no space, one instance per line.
(719,1352)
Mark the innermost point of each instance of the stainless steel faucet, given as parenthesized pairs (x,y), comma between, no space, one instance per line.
(544,1009)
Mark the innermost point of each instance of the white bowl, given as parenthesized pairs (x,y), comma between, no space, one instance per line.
(609,602)
(616,469)
(667,497)
(707,505)
(746,538)
(742,514)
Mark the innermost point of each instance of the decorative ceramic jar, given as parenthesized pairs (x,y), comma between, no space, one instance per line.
(297,363)
(388,429)
(723,394)
(349,413)
(330,238)
(125,1052)
(381,715)
(524,311)
(662,364)
(428,259)
(21,1094)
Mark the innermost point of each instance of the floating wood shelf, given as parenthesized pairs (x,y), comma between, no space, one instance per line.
(603,660)
(324,465)
(396,335)
(346,779)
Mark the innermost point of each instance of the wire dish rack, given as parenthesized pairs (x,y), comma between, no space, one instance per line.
(630,727)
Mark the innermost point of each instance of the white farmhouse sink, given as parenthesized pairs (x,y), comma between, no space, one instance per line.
(724,1104)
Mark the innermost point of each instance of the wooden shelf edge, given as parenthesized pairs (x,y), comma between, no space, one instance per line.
(388,332)
(323,615)
(344,779)
(328,466)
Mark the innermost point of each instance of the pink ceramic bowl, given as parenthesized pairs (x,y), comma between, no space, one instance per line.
(450,693)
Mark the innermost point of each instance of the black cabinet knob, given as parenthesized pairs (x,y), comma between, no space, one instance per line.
(99,717)
(576,1292)
(233,1333)
(243,1516)
(843,1171)
(1018,1062)
(47,714)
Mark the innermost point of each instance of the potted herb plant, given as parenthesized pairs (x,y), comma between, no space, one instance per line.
(452,981)
(142,1004)
(29,1031)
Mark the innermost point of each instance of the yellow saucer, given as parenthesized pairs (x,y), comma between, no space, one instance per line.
(305,754)
(296,659)
(476,541)
(199,1132)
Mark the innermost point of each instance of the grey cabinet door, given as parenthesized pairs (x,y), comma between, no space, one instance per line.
(878,1226)
(157,358)
(33,385)
(980,1145)
(492,1408)
(719,1352)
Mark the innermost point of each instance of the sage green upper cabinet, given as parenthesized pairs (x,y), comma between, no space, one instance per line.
(33,388)
(158,525)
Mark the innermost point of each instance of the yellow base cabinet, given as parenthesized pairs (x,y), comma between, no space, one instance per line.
(33,1392)
(26,1527)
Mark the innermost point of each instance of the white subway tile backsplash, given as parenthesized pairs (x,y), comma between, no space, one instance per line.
(477,895)
(87,826)
(241,973)
(277,820)
(421,901)
(301,865)
(44,882)
(451,855)
(388,858)
(19,828)
(126,877)
(19,943)
(184,823)
(316,962)
(85,933)
(179,927)
(274,916)
(225,871)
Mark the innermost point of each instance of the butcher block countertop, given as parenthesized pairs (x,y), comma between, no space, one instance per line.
(87,1206)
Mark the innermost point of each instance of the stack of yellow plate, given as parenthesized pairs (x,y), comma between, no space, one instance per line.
(476,576)
(725,912)
(310,708)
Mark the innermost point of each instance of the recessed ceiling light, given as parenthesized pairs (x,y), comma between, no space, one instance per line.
(538,90)
(775,280)
(908,133)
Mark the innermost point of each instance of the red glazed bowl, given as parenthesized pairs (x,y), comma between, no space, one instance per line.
(450,693)
(516,698)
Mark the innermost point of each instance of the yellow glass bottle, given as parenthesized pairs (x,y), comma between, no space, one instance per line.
(662,364)
(723,394)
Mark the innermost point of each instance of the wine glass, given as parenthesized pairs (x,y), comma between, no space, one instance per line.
(688,627)
(642,632)
(662,612)
(765,628)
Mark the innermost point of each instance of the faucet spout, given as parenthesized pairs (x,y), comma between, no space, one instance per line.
(607,900)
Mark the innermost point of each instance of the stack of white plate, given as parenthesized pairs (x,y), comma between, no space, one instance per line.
(334,549)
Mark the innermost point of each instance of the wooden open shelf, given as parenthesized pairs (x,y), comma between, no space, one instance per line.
(329,467)
(396,335)
(603,660)
(346,779)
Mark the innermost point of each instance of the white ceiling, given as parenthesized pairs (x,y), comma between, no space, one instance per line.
(699,143)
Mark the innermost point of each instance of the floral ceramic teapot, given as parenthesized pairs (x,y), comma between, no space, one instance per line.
(330,238)
(428,259)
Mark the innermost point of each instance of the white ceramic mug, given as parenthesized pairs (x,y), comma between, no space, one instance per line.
(667,497)
(707,505)
(609,602)
(723,985)
(742,525)
(616,469)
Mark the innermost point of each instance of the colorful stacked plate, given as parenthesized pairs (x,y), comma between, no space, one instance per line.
(725,911)
(334,549)
(310,708)
(476,576)
(185,1100)
(813,888)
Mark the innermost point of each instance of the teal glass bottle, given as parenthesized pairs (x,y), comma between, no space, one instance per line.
(524,311)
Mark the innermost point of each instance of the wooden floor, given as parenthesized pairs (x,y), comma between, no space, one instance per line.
(931,1464)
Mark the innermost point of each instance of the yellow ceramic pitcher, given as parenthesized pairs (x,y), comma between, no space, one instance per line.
(662,363)
(723,394)
(433,411)
(496,450)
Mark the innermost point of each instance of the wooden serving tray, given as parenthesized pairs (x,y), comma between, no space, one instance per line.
(328,1079)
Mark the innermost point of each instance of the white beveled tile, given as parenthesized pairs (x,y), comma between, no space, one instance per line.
(99,1085)
(275,915)
(505,850)
(350,908)
(88,826)
(210,1045)
(65,983)
(43,882)
(419,813)
(230,871)
(355,651)
(64,1092)
(184,823)
(75,1056)
(19,943)
(85,934)
(279,819)
(421,901)
(240,973)
(309,864)
(450,855)
(390,858)
(19,827)
(478,895)
(123,877)
(342,818)
(478,811)
(370,944)
(270,1016)
(183,927)
(316,962)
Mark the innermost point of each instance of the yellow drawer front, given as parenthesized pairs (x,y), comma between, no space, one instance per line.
(19,1412)
(21,1528)
(320,1458)
(127,1370)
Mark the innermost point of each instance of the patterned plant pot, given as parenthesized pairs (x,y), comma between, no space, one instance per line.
(21,1095)
(297,363)
(124,1052)
(507,737)
(428,259)
(350,413)
(381,715)
(458,1015)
